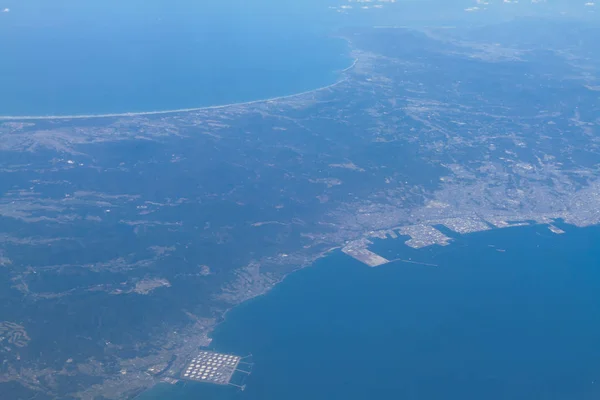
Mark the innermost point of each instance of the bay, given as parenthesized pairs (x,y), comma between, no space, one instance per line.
(70,57)
(511,313)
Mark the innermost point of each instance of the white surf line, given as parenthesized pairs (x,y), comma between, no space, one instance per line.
(181,110)
(350,67)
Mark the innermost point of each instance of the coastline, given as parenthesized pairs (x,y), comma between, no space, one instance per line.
(210,329)
(483,239)
(370,236)
(223,317)
(181,110)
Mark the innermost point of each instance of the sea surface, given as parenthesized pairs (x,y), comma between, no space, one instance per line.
(70,57)
(505,314)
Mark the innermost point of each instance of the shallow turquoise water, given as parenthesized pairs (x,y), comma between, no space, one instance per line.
(71,57)
(519,323)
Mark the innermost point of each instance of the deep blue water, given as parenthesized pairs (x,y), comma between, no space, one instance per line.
(72,57)
(507,314)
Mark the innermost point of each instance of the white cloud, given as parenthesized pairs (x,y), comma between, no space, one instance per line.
(6,10)
(590,4)
(471,9)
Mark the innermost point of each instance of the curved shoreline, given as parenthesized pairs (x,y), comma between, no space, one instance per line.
(181,110)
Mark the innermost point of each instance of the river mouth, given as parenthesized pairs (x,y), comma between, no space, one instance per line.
(68,63)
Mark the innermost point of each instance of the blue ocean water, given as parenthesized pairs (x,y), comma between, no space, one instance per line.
(506,314)
(71,57)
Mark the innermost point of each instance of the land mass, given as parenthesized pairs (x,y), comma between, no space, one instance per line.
(125,239)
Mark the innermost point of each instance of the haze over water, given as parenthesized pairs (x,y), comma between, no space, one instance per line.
(70,57)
